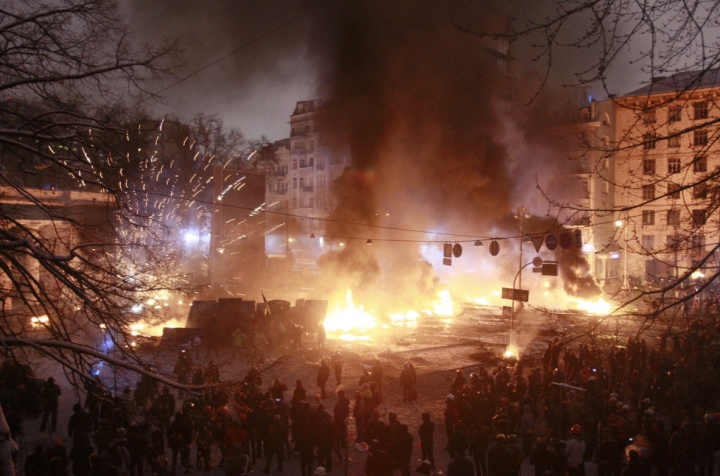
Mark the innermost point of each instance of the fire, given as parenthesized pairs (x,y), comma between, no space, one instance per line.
(350,317)
(481,301)
(444,306)
(601,306)
(511,351)
(408,318)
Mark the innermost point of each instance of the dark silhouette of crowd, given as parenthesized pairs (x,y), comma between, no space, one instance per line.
(628,409)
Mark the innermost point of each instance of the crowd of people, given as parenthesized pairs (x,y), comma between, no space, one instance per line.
(628,409)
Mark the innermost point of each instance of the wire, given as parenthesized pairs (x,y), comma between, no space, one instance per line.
(243,46)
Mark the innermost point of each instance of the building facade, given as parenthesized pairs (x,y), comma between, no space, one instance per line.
(666,192)
(300,195)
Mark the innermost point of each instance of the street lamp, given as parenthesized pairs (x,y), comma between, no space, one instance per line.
(521,213)
(621,224)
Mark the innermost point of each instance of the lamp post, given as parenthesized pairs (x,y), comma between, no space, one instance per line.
(521,213)
(620,224)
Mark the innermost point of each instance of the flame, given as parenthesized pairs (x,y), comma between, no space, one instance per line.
(511,351)
(444,306)
(409,318)
(349,317)
(599,307)
(481,301)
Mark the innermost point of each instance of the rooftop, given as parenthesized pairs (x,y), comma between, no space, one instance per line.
(679,82)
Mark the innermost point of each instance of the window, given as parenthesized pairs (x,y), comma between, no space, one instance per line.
(311,145)
(294,203)
(674,141)
(673,190)
(648,192)
(700,137)
(294,164)
(605,187)
(649,141)
(700,190)
(302,182)
(302,163)
(700,110)
(312,202)
(648,116)
(648,242)
(698,217)
(674,113)
(294,183)
(673,165)
(673,216)
(673,241)
(698,242)
(700,164)
(299,145)
(648,217)
(649,167)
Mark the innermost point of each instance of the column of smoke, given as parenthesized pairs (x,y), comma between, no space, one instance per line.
(433,133)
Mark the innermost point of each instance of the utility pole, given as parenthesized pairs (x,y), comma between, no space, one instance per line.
(521,214)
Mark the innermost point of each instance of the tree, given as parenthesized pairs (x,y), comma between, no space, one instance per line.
(72,258)
(663,154)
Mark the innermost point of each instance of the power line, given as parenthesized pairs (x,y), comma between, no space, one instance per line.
(243,46)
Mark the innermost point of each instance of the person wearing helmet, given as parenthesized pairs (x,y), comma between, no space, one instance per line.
(498,458)
(575,448)
(458,383)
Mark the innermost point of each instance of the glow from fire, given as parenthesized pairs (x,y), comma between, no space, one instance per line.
(349,317)
(481,301)
(444,306)
(511,351)
(409,318)
(598,307)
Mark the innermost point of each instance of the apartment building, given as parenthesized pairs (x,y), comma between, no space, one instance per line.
(666,148)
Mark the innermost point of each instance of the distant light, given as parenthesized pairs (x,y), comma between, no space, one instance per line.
(136,308)
(697,274)
(342,244)
(618,223)
(322,241)
(291,240)
(614,255)
(588,248)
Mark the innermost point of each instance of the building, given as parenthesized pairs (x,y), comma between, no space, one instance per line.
(300,194)
(666,149)
(587,183)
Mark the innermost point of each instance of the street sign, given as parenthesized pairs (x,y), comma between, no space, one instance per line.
(447,261)
(551,242)
(457,250)
(516,294)
(549,269)
(537,241)
(566,240)
(494,248)
(447,250)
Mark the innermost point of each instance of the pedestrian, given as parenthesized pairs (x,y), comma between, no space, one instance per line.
(79,424)
(461,466)
(377,462)
(337,363)
(36,463)
(323,376)
(575,449)
(182,370)
(117,455)
(427,434)
(498,461)
(50,396)
(179,440)
(274,445)
(404,450)
(237,338)
(527,430)
(238,463)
